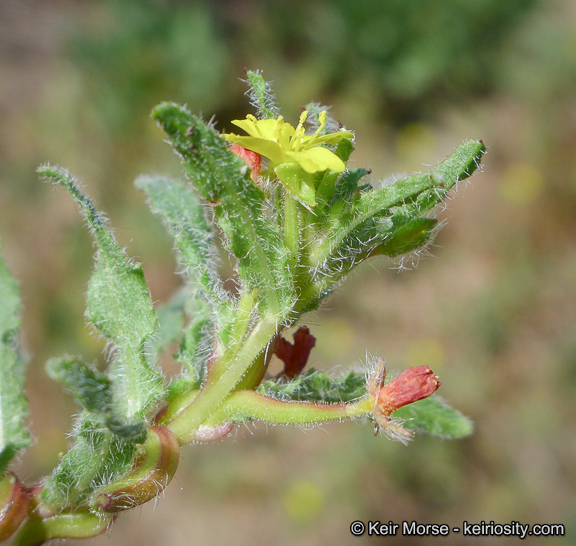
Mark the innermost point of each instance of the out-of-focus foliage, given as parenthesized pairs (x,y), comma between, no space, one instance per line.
(413,54)
(142,51)
(410,55)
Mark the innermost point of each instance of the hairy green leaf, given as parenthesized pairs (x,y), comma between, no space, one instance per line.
(93,391)
(119,305)
(171,319)
(181,210)
(96,458)
(435,417)
(195,350)
(316,386)
(399,204)
(13,404)
(223,179)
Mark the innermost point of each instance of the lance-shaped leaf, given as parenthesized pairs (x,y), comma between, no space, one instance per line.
(399,203)
(13,405)
(223,179)
(183,213)
(386,236)
(119,305)
(93,391)
(317,386)
(435,417)
(96,458)
(195,350)
(171,320)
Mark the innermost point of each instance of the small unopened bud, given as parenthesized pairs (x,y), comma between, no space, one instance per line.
(252,159)
(410,386)
(152,472)
(14,503)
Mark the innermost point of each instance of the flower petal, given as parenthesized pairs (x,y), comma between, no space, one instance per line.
(262,146)
(330,138)
(317,159)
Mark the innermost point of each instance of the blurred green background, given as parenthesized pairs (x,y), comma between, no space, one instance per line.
(493,312)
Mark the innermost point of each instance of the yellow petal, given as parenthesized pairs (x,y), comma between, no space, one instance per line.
(332,138)
(262,146)
(317,159)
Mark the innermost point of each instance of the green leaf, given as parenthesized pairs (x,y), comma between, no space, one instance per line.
(195,350)
(316,386)
(97,458)
(387,236)
(93,391)
(461,164)
(435,417)
(347,184)
(407,237)
(261,96)
(181,210)
(399,203)
(170,320)
(119,305)
(13,404)
(223,179)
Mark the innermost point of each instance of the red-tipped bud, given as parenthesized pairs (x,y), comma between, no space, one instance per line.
(410,386)
(252,159)
(14,503)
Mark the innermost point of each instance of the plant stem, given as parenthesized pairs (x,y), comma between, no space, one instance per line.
(291,228)
(246,404)
(37,531)
(184,423)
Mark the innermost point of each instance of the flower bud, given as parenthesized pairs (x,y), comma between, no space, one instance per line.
(151,473)
(14,503)
(410,386)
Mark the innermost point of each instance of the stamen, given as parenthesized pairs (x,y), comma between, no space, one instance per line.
(254,120)
(278,128)
(322,120)
(296,140)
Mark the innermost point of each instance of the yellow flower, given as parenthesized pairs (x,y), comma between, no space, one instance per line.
(294,156)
